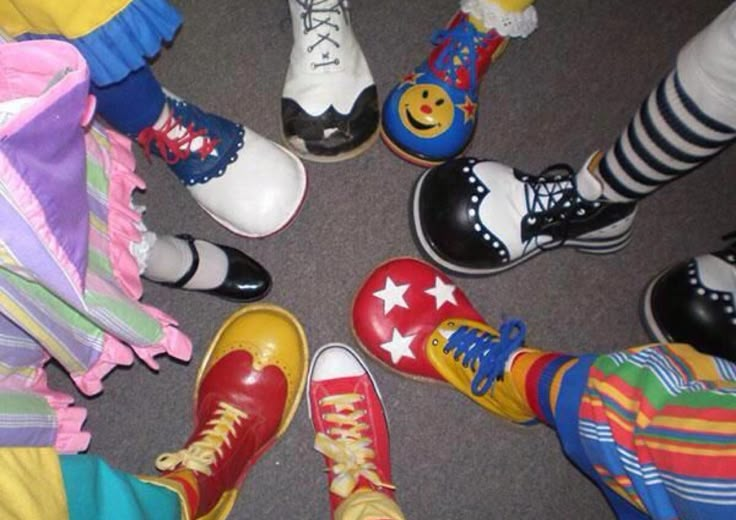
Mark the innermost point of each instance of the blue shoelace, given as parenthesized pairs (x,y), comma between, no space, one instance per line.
(463,35)
(485,353)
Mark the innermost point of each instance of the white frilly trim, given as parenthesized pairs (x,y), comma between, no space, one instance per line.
(506,23)
(141,251)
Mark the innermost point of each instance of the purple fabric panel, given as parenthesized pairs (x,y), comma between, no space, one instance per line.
(49,154)
(78,345)
(17,348)
(19,237)
(98,208)
(26,435)
(26,419)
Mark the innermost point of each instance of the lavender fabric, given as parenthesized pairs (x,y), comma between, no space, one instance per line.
(49,154)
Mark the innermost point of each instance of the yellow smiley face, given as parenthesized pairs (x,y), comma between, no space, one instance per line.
(426,110)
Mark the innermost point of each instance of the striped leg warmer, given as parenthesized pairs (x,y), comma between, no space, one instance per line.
(686,120)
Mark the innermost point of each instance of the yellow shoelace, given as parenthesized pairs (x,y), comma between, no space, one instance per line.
(201,454)
(346,446)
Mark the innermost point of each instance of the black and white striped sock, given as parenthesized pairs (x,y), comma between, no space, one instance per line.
(669,136)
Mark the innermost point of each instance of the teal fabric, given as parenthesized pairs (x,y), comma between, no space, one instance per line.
(95,490)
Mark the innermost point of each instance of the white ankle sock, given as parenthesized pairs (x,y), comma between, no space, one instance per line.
(170,258)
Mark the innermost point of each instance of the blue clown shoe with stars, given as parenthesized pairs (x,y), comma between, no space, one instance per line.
(430,116)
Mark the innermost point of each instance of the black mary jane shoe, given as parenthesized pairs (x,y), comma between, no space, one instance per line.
(246,279)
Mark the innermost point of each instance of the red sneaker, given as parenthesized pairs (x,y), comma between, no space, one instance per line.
(248,388)
(352,433)
(398,307)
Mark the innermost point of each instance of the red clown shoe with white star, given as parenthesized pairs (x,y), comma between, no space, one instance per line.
(398,307)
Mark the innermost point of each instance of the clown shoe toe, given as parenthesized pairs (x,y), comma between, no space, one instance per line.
(329,105)
(247,390)
(474,358)
(431,115)
(348,416)
(398,306)
(482,217)
(693,302)
(248,184)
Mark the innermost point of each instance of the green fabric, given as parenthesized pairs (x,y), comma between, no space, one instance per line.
(95,490)
(24,403)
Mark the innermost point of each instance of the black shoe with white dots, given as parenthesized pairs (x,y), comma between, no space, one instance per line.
(478,217)
(693,302)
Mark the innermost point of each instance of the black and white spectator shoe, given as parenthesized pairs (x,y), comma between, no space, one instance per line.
(693,302)
(329,105)
(479,217)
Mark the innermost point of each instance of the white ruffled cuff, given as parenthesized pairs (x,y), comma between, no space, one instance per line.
(506,23)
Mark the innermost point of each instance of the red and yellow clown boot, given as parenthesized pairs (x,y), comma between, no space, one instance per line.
(398,306)
(352,433)
(248,389)
(430,116)
(413,319)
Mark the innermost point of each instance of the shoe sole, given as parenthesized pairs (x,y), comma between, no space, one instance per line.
(647,316)
(222,509)
(598,246)
(406,156)
(288,222)
(325,159)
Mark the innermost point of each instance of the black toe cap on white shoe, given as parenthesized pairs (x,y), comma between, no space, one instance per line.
(683,305)
(331,136)
(445,206)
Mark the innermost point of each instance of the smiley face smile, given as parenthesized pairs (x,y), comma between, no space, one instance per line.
(427,110)
(416,124)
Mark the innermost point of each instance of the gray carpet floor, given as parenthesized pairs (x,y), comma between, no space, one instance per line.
(556,97)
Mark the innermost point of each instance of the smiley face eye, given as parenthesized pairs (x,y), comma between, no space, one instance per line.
(425,94)
(439,102)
